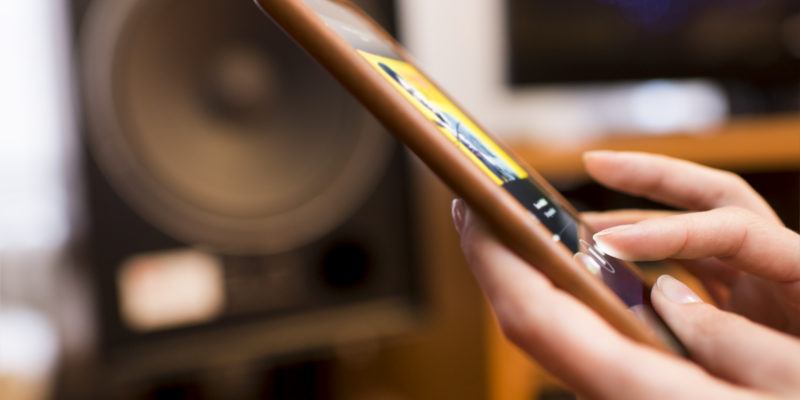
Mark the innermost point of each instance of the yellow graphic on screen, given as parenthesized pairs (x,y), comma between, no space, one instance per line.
(458,127)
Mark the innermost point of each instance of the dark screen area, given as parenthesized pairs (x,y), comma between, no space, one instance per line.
(741,43)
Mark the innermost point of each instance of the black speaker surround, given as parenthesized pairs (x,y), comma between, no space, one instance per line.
(209,132)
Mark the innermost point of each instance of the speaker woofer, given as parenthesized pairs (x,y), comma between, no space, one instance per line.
(212,124)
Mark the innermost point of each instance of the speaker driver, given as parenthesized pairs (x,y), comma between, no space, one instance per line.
(214,126)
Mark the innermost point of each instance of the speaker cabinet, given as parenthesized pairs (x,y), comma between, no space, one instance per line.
(240,204)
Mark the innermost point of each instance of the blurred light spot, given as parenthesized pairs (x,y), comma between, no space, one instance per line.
(170,289)
(28,344)
(588,262)
(663,106)
(35,112)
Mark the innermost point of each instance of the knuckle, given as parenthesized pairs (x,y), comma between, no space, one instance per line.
(518,320)
(735,183)
(735,179)
(515,322)
(726,185)
(653,183)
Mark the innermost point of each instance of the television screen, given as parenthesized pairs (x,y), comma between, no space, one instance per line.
(752,41)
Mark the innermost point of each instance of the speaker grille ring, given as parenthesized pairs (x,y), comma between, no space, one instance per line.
(256,171)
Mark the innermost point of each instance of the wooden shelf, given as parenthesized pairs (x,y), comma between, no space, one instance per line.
(744,145)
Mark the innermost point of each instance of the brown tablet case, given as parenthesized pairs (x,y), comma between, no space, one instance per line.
(504,214)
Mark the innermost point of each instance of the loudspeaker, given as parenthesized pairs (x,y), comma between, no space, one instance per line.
(240,204)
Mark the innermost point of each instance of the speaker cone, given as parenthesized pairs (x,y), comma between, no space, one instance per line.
(214,126)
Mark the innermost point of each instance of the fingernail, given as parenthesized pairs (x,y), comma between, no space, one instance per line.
(676,291)
(458,210)
(601,240)
(612,230)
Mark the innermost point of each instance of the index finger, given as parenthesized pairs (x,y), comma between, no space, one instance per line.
(738,237)
(674,182)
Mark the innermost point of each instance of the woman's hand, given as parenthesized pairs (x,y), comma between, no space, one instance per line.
(736,357)
(747,260)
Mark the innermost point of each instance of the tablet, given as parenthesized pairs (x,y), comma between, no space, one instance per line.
(524,210)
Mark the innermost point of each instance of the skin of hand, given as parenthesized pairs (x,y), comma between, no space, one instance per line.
(731,239)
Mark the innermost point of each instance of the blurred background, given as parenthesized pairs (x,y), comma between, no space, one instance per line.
(190,208)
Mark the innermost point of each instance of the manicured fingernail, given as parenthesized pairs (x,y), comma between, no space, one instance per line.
(602,242)
(458,209)
(676,291)
(612,230)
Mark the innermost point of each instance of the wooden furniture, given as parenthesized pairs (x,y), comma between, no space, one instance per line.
(744,145)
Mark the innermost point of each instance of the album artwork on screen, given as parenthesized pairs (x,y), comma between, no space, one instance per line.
(474,143)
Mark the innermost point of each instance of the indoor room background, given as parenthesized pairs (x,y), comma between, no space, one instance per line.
(191,208)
